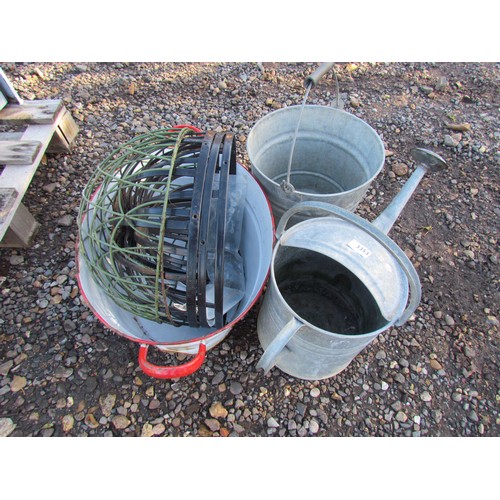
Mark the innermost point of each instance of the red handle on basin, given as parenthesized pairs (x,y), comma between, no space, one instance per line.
(171,371)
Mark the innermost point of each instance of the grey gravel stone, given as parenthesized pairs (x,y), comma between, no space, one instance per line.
(63,373)
(7,427)
(450,141)
(469,352)
(271,422)
(218,378)
(315,392)
(473,416)
(425,396)
(401,416)
(397,406)
(16,260)
(438,415)
(449,320)
(212,423)
(313,427)
(42,303)
(404,362)
(493,320)
(69,325)
(50,188)
(65,220)
(5,367)
(235,388)
(301,409)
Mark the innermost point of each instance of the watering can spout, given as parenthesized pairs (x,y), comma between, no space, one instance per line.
(427,161)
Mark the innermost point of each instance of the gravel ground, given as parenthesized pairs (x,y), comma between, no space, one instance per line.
(64,374)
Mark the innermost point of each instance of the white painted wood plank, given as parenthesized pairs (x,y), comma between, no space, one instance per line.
(18,152)
(40,112)
(10,136)
(19,176)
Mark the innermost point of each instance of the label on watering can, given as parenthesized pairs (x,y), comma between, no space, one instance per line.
(359,248)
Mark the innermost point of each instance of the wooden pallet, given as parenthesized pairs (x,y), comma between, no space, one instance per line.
(49,128)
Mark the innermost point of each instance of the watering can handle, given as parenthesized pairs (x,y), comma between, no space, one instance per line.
(167,372)
(377,234)
(271,353)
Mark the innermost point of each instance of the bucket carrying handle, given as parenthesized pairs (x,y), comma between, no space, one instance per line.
(374,232)
(313,79)
(270,356)
(167,372)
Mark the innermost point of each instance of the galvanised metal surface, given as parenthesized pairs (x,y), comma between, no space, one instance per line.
(336,157)
(336,283)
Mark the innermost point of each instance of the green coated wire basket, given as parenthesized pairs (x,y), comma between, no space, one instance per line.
(142,221)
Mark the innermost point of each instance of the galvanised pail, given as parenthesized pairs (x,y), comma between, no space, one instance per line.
(336,157)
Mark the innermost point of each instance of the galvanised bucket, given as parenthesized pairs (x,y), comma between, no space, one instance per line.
(336,283)
(336,157)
